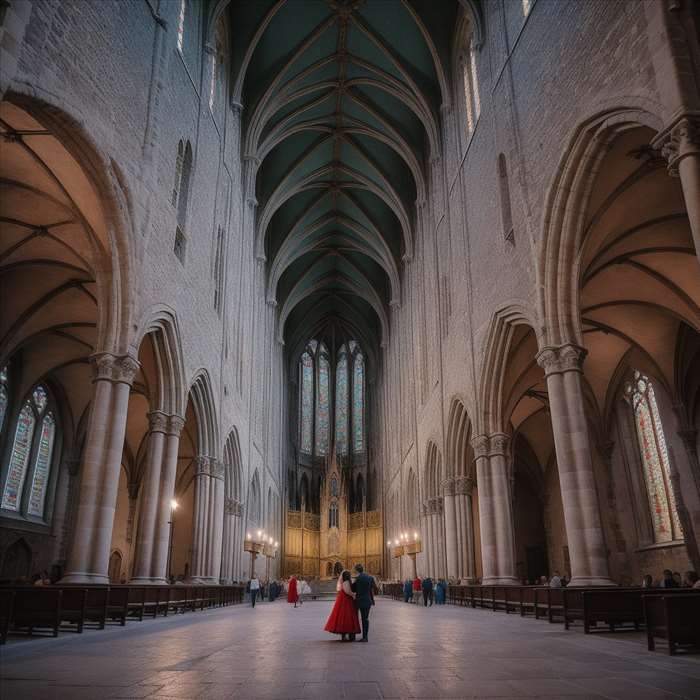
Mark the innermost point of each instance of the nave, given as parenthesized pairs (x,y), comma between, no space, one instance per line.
(276,651)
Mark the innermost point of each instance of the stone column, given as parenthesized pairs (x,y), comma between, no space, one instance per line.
(584,529)
(232,513)
(451,528)
(495,514)
(97,501)
(465,530)
(201,513)
(166,493)
(216,520)
(680,145)
(150,493)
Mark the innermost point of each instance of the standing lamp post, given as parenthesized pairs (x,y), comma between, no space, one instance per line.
(173,508)
(254,547)
(270,552)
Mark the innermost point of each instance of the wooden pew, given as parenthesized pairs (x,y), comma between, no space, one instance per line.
(118,605)
(675,618)
(96,605)
(7,599)
(37,608)
(73,606)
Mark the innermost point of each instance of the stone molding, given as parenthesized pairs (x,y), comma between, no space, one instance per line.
(118,369)
(201,466)
(433,506)
(680,140)
(560,359)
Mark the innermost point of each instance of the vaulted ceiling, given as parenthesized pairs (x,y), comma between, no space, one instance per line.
(341,103)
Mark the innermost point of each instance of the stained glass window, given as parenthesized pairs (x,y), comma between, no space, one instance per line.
(655,460)
(341,404)
(307,401)
(4,396)
(358,396)
(19,459)
(333,520)
(322,418)
(42,466)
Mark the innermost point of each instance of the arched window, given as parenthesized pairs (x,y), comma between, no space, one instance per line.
(333,519)
(322,408)
(219,269)
(184,188)
(306,382)
(178,171)
(181,25)
(527,6)
(31,456)
(341,403)
(358,401)
(218,61)
(504,187)
(468,83)
(655,460)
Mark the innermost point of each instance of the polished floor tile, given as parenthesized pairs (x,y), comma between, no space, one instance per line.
(278,652)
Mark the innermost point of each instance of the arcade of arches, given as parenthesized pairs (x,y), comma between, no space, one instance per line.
(346,271)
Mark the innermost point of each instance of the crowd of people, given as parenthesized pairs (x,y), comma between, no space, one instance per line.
(427,591)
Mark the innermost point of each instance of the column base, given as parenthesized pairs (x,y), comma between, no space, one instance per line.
(148,581)
(591,581)
(501,581)
(83,577)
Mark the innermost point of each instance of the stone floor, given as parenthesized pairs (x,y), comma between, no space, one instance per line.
(275,651)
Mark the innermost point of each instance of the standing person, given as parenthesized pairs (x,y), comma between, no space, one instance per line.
(440,591)
(668,581)
(343,618)
(254,588)
(647,581)
(292,595)
(364,588)
(407,590)
(427,591)
(416,588)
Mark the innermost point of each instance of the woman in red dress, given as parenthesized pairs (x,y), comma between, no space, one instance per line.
(343,618)
(292,595)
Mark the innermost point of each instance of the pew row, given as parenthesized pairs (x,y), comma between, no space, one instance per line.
(51,608)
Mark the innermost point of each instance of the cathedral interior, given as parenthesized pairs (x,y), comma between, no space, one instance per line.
(406,283)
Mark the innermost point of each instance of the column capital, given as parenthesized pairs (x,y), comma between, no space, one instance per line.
(448,487)
(491,445)
(201,465)
(680,140)
(558,359)
(175,425)
(463,485)
(118,369)
(157,421)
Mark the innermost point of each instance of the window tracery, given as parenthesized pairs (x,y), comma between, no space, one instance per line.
(31,454)
(655,459)
(321,388)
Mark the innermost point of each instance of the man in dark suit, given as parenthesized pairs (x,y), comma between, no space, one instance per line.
(365,588)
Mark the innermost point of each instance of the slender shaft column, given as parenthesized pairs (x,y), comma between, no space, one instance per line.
(680,145)
(430,559)
(150,491)
(495,513)
(232,516)
(166,493)
(451,528)
(584,529)
(97,501)
(216,532)
(463,507)
(201,510)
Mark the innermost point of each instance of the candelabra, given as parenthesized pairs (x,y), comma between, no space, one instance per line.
(403,544)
